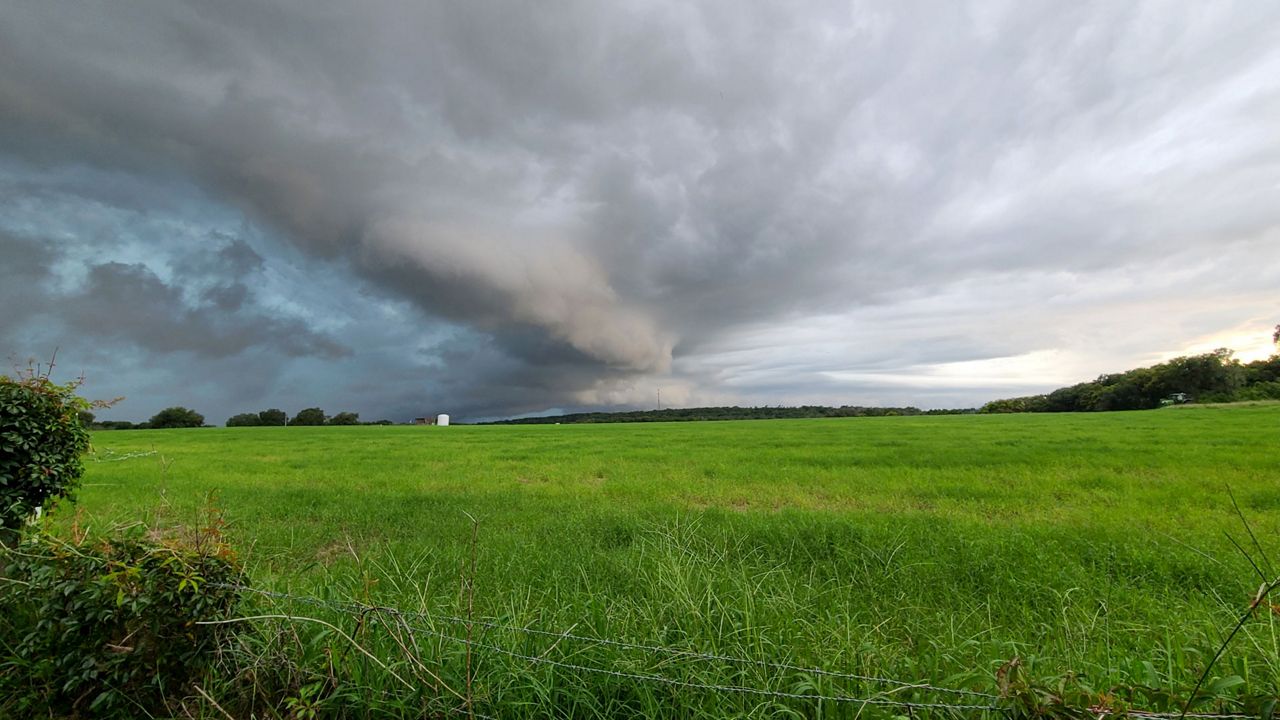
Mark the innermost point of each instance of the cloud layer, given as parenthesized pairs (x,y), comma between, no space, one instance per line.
(503,207)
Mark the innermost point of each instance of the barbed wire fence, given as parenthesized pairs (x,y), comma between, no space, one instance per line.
(108,455)
(957,702)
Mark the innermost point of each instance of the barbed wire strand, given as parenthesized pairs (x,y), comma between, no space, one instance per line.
(805,696)
(349,607)
(1202,715)
(628,645)
(112,456)
(693,685)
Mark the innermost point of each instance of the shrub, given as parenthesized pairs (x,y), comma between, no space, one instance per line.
(176,417)
(345,418)
(41,440)
(109,629)
(274,416)
(1257,391)
(244,420)
(309,416)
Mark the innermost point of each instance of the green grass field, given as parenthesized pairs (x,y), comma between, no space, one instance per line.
(927,548)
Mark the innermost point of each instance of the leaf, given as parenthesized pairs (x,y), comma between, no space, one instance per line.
(1151,677)
(1219,686)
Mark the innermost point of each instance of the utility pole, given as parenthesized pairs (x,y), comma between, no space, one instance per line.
(659,399)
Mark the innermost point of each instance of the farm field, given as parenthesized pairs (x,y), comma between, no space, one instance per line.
(1092,547)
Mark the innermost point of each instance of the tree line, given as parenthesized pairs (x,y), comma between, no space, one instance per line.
(181,417)
(727,413)
(1211,377)
(170,417)
(312,416)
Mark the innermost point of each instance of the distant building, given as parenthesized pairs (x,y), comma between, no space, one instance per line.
(424,421)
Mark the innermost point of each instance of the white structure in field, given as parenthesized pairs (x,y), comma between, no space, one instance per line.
(442,419)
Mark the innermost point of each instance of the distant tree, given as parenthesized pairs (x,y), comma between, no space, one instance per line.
(176,417)
(1213,376)
(309,416)
(1260,371)
(1028,403)
(244,420)
(1275,336)
(1200,375)
(345,418)
(86,418)
(273,416)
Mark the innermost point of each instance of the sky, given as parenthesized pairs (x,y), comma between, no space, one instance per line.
(492,209)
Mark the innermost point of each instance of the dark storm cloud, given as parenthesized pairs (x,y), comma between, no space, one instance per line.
(25,272)
(232,257)
(731,201)
(129,302)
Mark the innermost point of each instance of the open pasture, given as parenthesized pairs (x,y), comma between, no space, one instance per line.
(921,548)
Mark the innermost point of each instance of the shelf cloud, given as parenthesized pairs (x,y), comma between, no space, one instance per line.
(500,208)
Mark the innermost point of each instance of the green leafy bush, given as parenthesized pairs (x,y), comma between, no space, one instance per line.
(244,420)
(110,628)
(309,416)
(272,417)
(345,418)
(41,440)
(176,417)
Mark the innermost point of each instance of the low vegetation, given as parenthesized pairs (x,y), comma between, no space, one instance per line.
(41,440)
(110,626)
(102,627)
(1067,564)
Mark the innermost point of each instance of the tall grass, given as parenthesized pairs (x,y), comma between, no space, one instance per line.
(1091,547)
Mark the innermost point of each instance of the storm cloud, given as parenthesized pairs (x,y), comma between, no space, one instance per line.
(502,208)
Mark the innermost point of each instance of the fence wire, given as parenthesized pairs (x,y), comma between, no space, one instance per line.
(109,455)
(674,652)
(693,685)
(880,699)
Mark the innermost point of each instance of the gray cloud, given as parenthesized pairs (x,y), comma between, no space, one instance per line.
(129,301)
(207,309)
(27,270)
(596,200)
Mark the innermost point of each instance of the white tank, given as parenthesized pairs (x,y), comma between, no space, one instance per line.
(442,419)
